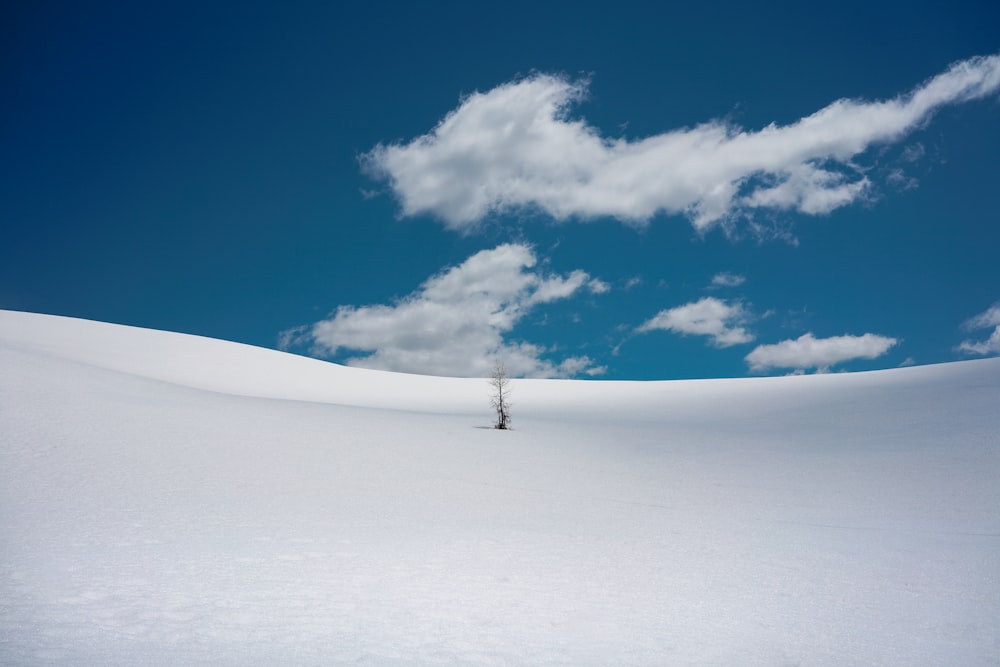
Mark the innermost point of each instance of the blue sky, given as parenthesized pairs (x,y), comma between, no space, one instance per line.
(626,191)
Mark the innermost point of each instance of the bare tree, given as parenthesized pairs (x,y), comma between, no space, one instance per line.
(500,395)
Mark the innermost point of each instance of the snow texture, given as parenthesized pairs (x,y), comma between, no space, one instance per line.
(173,500)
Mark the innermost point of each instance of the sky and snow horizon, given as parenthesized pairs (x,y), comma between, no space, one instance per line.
(769,203)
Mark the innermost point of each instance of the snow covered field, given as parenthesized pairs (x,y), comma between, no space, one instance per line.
(174,500)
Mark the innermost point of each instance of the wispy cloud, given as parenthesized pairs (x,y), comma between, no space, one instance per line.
(710,317)
(989,318)
(553,288)
(456,323)
(726,279)
(807,352)
(634,281)
(516,147)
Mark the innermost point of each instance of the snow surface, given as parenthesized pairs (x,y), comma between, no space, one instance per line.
(173,500)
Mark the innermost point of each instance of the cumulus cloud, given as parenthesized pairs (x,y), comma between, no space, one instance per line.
(985,320)
(807,351)
(726,279)
(456,322)
(516,147)
(708,317)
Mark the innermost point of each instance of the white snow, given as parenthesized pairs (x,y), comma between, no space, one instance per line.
(174,500)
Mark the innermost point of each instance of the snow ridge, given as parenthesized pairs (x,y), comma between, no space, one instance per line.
(170,499)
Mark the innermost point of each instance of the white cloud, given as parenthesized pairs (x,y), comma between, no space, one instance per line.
(984,347)
(455,323)
(989,318)
(707,317)
(598,286)
(807,351)
(726,279)
(516,147)
(558,287)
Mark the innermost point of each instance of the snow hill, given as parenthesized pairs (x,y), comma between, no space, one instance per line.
(173,500)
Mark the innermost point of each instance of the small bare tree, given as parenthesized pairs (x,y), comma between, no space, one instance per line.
(500,395)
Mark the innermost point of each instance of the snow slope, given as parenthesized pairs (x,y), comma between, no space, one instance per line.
(174,500)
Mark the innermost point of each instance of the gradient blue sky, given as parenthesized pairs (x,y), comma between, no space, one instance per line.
(275,174)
